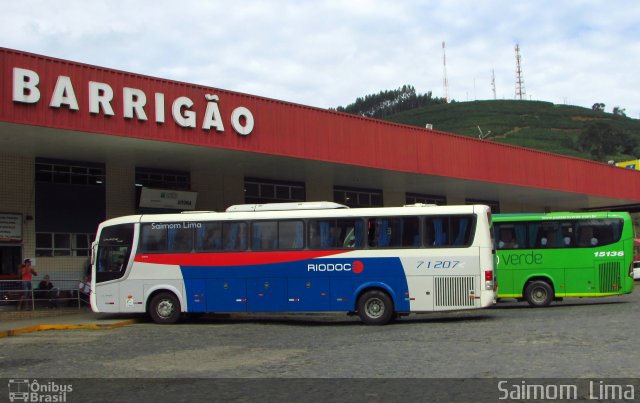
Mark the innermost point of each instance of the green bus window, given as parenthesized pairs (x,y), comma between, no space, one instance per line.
(548,235)
(507,237)
(567,235)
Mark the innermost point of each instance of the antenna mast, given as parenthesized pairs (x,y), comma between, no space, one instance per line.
(519,81)
(445,82)
(493,83)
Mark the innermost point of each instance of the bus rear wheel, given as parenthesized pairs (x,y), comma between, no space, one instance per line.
(165,308)
(539,293)
(375,308)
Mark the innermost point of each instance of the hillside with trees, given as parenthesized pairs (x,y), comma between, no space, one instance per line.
(563,129)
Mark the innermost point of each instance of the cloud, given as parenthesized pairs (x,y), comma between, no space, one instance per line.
(327,53)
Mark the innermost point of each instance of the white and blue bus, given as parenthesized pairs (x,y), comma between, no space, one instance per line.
(380,263)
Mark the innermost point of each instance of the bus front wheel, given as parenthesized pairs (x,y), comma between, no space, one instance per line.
(375,308)
(165,308)
(539,293)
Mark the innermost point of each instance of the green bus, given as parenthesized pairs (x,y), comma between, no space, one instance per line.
(550,256)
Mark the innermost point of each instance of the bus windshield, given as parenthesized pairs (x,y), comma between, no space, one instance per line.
(114,249)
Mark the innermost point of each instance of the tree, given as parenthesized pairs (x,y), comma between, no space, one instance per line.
(389,102)
(598,106)
(619,111)
(601,140)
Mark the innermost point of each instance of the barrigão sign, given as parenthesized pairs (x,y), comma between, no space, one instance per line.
(134,103)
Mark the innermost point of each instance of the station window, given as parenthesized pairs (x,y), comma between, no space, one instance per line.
(69,205)
(268,191)
(49,244)
(162,179)
(68,172)
(357,197)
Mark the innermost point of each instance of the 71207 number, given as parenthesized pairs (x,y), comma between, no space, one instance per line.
(437,264)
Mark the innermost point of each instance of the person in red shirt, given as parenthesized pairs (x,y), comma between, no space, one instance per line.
(26,274)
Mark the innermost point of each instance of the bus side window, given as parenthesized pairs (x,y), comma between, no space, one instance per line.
(180,239)
(586,237)
(209,237)
(548,235)
(290,235)
(153,239)
(321,234)
(264,235)
(440,235)
(435,231)
(567,235)
(234,236)
(379,236)
(463,228)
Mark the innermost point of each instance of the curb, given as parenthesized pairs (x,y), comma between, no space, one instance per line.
(37,328)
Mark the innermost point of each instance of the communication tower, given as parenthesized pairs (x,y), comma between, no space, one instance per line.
(519,80)
(445,82)
(493,83)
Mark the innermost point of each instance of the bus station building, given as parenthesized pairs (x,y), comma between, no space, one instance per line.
(80,144)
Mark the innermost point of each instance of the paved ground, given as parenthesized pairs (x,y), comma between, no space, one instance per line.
(586,338)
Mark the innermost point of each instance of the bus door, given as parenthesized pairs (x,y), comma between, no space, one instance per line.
(506,269)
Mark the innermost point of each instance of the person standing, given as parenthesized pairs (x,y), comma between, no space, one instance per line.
(26,274)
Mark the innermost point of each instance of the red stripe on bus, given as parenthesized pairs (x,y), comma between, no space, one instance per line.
(231,258)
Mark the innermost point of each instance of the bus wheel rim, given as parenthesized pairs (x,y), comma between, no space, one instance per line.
(165,308)
(374,308)
(539,294)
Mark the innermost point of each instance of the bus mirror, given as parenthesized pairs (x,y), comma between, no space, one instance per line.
(93,253)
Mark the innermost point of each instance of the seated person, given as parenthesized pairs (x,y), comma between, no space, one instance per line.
(507,241)
(47,291)
(510,244)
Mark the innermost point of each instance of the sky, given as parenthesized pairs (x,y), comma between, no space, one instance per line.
(327,53)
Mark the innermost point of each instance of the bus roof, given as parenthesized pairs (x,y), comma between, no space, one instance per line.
(293,214)
(322,205)
(559,215)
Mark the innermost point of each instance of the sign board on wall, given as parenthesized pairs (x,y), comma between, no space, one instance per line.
(10,227)
(633,164)
(168,199)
